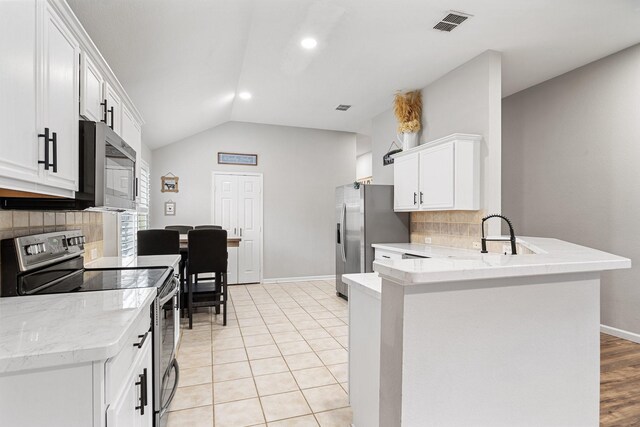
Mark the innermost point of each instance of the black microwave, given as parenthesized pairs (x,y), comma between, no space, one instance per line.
(107,170)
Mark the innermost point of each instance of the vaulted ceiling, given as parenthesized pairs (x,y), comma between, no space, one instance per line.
(183,61)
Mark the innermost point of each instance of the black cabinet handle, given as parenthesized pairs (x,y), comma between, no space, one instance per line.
(415,202)
(111,112)
(55,152)
(104,111)
(45,162)
(338,233)
(421,197)
(142,382)
(137,185)
(141,343)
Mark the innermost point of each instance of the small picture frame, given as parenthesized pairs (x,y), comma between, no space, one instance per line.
(237,159)
(170,208)
(169,184)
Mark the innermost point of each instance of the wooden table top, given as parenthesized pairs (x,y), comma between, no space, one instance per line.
(232,242)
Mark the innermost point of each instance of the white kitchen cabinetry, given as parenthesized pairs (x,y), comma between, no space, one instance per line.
(39,102)
(440,175)
(237,207)
(59,95)
(92,106)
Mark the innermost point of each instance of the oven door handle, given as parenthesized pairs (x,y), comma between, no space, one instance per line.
(164,408)
(170,295)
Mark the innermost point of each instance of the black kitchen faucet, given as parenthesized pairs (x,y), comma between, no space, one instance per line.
(511,239)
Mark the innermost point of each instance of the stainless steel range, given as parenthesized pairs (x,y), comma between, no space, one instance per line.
(53,263)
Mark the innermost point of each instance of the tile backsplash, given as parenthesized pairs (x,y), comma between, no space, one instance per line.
(22,223)
(456,229)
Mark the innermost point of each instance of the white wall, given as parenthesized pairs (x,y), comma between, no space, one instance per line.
(465,100)
(570,166)
(301,167)
(363,166)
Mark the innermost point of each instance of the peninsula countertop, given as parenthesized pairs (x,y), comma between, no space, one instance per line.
(552,256)
(43,331)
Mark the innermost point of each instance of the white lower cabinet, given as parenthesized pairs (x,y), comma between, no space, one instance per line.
(117,392)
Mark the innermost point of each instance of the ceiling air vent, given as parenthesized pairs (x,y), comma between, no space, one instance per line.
(343,107)
(451,21)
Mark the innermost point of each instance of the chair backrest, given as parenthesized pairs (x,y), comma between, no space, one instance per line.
(207,251)
(208,227)
(158,242)
(182,229)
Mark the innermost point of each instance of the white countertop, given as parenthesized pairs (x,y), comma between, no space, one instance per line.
(367,282)
(43,331)
(136,261)
(552,256)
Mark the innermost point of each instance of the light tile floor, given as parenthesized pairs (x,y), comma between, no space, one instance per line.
(281,361)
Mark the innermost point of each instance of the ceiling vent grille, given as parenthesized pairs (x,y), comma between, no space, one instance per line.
(451,21)
(343,107)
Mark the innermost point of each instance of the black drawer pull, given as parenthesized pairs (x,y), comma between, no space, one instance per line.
(141,343)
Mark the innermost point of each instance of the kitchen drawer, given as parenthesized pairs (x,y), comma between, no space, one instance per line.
(117,367)
(382,254)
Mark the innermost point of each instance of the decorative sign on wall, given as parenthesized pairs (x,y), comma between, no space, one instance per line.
(169,183)
(170,208)
(238,159)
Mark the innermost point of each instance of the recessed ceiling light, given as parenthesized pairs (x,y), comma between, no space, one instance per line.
(309,43)
(245,95)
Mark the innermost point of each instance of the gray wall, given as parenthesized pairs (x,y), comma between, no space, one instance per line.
(571,150)
(301,169)
(465,100)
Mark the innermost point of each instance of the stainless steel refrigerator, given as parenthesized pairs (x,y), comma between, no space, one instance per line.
(364,216)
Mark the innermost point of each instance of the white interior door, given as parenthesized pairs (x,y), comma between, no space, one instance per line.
(225,203)
(249,223)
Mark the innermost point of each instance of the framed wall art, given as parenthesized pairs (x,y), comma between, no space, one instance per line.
(170,208)
(237,159)
(169,183)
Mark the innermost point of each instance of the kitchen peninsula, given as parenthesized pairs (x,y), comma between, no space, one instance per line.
(480,339)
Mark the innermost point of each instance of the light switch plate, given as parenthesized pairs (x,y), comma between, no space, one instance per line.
(476,245)
(94,254)
(427,239)
(506,249)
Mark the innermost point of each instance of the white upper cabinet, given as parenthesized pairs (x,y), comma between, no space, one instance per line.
(405,177)
(59,96)
(131,132)
(114,108)
(92,105)
(441,175)
(19,145)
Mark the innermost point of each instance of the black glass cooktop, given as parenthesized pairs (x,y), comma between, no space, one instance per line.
(102,280)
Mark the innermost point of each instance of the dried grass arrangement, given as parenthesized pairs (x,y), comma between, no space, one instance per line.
(407,108)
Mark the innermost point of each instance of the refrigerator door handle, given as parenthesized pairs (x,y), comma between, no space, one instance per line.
(343,221)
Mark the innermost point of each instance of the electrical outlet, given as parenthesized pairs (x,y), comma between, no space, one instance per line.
(506,249)
(94,254)
(476,245)
(427,240)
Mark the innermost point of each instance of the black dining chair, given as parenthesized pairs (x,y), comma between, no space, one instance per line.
(182,229)
(208,227)
(207,254)
(158,242)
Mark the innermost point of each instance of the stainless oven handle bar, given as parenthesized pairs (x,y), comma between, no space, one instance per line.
(170,295)
(164,409)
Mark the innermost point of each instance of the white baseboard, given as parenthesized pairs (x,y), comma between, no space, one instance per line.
(298,279)
(620,333)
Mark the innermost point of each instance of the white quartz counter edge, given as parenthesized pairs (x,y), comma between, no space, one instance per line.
(369,283)
(555,257)
(44,331)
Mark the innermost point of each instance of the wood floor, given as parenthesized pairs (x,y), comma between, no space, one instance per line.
(619,382)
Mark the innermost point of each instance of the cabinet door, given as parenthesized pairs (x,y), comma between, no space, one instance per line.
(91,91)
(249,224)
(232,266)
(19,140)
(114,109)
(61,63)
(225,212)
(405,183)
(437,177)
(130,130)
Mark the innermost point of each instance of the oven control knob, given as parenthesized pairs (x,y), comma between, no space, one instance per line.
(71,241)
(42,247)
(33,249)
